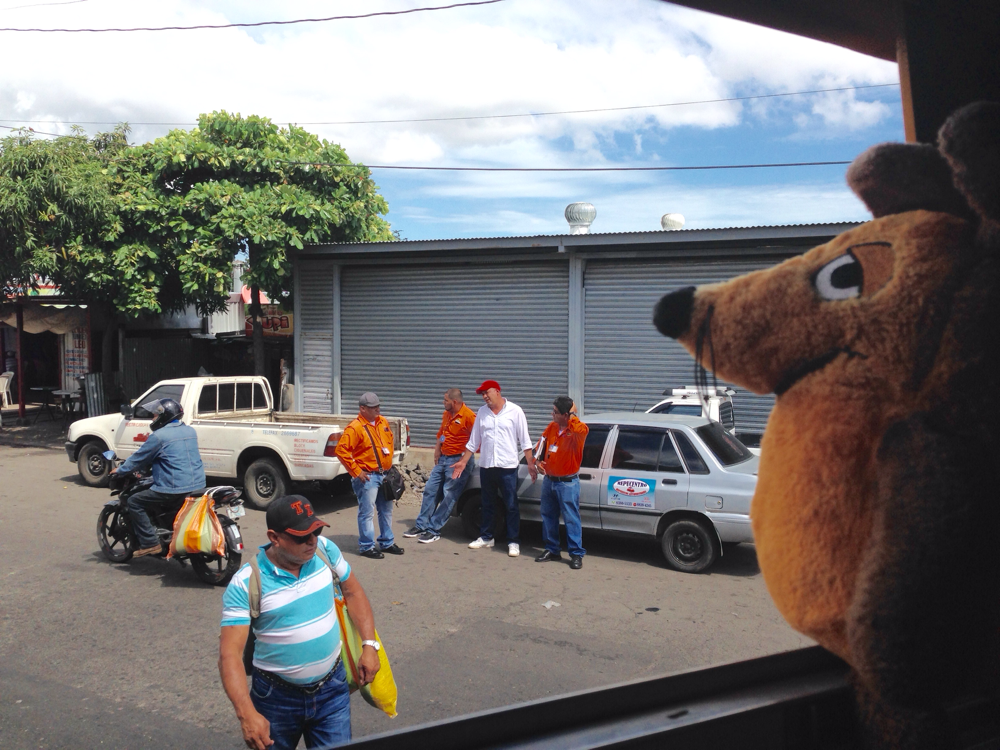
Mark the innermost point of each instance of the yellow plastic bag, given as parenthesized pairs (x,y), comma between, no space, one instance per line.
(380,692)
(197,529)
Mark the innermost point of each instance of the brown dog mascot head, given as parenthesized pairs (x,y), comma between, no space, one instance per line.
(876,515)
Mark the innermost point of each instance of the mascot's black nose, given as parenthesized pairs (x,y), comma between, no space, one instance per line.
(672,314)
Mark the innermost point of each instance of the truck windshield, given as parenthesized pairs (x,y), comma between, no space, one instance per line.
(726,448)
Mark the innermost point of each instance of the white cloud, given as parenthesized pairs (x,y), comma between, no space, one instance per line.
(516,56)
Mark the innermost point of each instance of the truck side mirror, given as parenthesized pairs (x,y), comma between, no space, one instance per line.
(126,410)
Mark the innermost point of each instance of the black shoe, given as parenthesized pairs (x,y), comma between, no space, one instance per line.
(547,556)
(575,562)
(393,549)
(373,553)
(412,532)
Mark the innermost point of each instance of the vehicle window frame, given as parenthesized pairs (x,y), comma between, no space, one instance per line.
(604,450)
(637,428)
(232,408)
(204,387)
(725,435)
(682,465)
(247,385)
(149,396)
(257,386)
(679,435)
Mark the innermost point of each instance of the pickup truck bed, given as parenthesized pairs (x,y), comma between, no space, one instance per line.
(240,436)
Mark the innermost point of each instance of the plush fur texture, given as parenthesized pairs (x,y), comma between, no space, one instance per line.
(877,507)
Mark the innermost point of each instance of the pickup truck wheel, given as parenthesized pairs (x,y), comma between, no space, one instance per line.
(94,469)
(688,546)
(264,480)
(472,517)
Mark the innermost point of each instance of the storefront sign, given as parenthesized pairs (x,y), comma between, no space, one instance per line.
(275,321)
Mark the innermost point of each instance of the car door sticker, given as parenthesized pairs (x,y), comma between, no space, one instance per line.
(629,492)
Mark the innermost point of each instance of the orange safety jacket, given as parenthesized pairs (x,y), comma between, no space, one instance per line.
(354,449)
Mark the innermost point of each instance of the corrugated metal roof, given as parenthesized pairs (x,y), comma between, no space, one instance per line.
(762,232)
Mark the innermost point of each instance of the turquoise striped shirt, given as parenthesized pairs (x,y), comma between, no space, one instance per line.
(298,637)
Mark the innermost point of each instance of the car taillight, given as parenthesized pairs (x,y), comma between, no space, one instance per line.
(331,445)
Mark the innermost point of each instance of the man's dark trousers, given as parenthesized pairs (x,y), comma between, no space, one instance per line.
(504,482)
(144,503)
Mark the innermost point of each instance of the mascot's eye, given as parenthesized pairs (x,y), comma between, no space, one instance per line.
(841,278)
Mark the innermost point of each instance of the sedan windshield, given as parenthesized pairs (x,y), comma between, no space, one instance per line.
(726,448)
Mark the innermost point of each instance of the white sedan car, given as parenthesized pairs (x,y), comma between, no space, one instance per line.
(683,480)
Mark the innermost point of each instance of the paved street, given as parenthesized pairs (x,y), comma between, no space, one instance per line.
(124,656)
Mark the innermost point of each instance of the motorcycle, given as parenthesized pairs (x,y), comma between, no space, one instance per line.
(118,539)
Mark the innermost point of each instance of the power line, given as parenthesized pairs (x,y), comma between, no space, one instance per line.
(501,116)
(567,169)
(261,23)
(43,5)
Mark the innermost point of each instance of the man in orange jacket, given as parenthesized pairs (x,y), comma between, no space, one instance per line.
(365,450)
(562,443)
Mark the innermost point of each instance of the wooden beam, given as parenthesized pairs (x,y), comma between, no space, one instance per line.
(20,362)
(948,57)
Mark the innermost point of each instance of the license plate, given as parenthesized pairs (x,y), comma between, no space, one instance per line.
(235,511)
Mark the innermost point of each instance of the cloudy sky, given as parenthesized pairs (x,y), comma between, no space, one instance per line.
(512,57)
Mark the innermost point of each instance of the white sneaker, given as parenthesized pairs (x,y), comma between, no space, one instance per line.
(480,543)
(513,549)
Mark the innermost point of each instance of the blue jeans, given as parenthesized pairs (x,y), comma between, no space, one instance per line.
(441,492)
(324,717)
(562,497)
(139,507)
(371,498)
(503,482)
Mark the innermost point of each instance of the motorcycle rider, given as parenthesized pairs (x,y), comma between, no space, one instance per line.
(172,450)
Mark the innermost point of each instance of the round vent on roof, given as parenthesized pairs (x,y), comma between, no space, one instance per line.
(672,221)
(580,216)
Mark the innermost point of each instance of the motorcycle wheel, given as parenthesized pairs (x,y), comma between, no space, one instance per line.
(218,570)
(114,533)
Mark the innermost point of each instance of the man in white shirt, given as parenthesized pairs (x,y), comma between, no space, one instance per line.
(499,429)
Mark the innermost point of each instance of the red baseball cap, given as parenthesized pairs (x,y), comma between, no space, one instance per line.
(487,384)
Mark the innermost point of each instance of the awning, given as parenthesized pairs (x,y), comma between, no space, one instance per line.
(54,318)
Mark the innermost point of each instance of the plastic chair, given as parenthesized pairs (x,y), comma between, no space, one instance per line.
(5,379)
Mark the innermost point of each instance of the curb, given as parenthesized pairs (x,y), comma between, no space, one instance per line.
(14,443)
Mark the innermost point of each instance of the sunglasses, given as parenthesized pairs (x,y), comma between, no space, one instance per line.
(302,539)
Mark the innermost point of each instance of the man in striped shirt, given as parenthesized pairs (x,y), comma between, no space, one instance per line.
(299,683)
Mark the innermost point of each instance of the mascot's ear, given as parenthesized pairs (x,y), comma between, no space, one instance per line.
(970,140)
(892,178)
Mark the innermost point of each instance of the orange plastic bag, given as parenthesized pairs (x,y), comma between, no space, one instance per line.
(380,692)
(197,529)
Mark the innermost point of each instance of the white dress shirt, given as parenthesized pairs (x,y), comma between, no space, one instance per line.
(496,436)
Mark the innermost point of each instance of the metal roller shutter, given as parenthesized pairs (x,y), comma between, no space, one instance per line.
(628,363)
(315,325)
(410,332)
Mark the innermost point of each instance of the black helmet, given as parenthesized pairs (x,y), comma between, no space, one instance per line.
(164,411)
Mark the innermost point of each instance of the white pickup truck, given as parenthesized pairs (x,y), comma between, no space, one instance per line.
(240,436)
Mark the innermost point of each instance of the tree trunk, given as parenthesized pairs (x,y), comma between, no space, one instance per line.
(258,331)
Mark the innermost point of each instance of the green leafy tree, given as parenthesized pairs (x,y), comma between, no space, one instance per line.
(243,185)
(64,217)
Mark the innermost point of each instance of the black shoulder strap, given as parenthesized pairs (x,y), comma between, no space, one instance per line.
(378,459)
